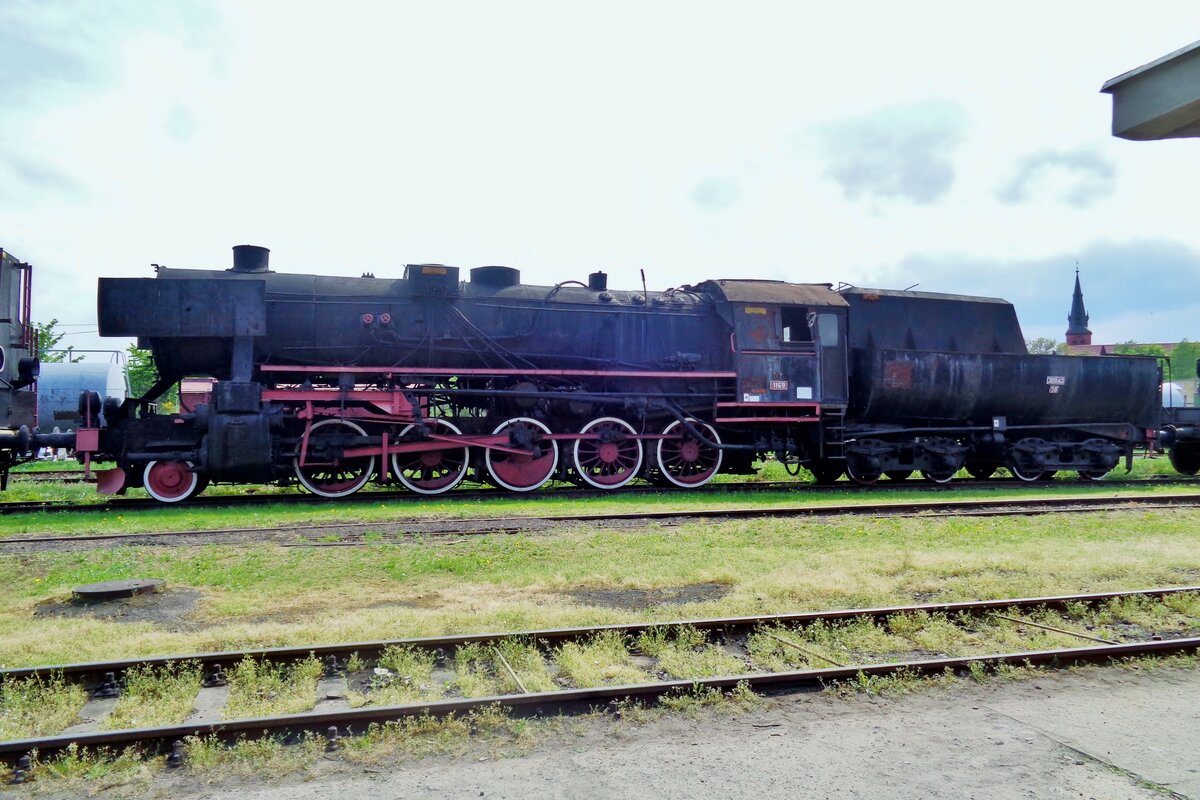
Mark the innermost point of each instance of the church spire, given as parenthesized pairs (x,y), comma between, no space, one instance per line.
(1077,329)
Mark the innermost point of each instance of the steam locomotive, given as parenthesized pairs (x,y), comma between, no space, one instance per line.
(430,380)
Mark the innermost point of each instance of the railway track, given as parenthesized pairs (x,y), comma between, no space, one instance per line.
(772,653)
(356,533)
(558,492)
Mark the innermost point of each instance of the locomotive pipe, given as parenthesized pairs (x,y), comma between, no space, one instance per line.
(1173,435)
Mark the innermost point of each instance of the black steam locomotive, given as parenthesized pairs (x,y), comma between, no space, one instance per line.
(430,380)
(19,368)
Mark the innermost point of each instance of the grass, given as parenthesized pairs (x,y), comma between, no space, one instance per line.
(79,770)
(603,660)
(265,754)
(32,707)
(684,652)
(258,689)
(394,514)
(267,595)
(156,696)
(480,671)
(409,679)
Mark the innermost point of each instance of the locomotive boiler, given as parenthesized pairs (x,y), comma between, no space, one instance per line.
(431,379)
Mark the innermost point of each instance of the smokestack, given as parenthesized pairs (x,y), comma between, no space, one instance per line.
(597,281)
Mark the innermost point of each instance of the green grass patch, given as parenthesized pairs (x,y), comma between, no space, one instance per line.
(480,669)
(156,696)
(602,660)
(409,678)
(267,595)
(31,707)
(684,652)
(394,515)
(258,689)
(265,754)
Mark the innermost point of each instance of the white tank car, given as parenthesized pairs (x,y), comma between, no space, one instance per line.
(59,386)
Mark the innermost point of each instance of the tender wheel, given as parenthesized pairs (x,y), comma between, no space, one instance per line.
(1185,458)
(171,481)
(613,459)
(1028,476)
(898,474)
(685,461)
(826,472)
(980,472)
(860,475)
(1092,474)
(937,476)
(1027,449)
(340,477)
(527,471)
(431,471)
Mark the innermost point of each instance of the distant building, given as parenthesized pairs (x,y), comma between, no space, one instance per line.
(1077,330)
(1079,338)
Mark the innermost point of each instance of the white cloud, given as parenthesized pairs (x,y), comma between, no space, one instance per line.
(561,138)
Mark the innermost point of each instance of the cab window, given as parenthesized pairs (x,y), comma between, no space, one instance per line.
(794,321)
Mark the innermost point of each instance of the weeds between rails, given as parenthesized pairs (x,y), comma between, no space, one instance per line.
(560,670)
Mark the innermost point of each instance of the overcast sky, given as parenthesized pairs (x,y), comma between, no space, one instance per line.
(964,147)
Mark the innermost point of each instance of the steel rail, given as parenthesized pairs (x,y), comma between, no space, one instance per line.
(473,526)
(395,495)
(85,672)
(568,700)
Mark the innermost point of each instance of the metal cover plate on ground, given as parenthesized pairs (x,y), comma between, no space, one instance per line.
(113,590)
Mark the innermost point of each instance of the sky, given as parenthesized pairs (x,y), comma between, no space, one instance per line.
(961,147)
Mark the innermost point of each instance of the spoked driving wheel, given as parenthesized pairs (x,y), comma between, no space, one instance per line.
(613,458)
(685,460)
(171,481)
(327,473)
(431,471)
(530,468)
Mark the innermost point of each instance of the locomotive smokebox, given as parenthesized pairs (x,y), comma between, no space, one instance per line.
(250,258)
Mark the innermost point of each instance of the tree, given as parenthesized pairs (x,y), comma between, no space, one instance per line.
(47,340)
(143,374)
(1044,346)
(1183,360)
(1132,348)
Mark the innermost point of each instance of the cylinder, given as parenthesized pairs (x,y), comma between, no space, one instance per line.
(498,277)
(250,258)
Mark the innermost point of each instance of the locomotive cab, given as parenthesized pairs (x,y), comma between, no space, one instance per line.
(789,345)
